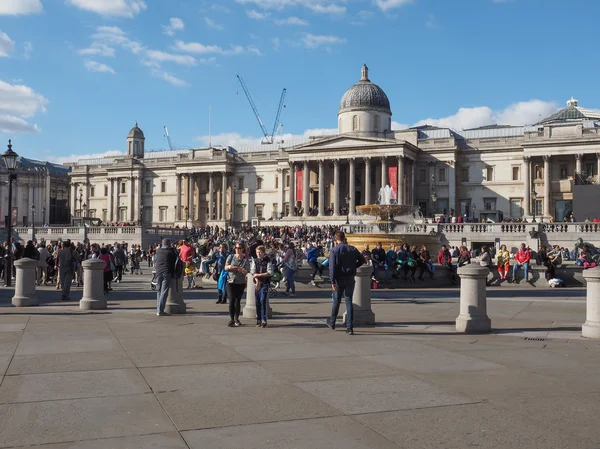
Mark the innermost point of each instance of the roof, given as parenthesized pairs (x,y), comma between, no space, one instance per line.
(572,113)
(53,169)
(365,95)
(136,133)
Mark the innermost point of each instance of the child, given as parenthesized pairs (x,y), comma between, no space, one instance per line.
(189,272)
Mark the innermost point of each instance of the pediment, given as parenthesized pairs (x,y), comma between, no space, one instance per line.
(339,142)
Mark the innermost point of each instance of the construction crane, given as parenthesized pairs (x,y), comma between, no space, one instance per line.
(169,139)
(268,138)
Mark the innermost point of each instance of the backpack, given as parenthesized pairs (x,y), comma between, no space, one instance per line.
(179,268)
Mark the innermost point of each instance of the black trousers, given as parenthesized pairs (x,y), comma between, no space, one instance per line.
(119,272)
(235,293)
(316,267)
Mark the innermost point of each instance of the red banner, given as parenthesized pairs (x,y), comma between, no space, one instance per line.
(299,184)
(393,177)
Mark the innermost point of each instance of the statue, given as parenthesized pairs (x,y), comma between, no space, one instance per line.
(386,196)
(593,251)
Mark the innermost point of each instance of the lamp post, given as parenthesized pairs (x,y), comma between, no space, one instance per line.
(473,211)
(80,201)
(434,197)
(84,209)
(43,216)
(533,197)
(33,222)
(10,160)
(347,209)
(141,218)
(187,215)
(175,214)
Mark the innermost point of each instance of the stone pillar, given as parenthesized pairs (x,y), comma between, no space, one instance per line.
(578,158)
(547,184)
(47,198)
(111,200)
(336,187)
(280,192)
(306,188)
(292,189)
(93,285)
(591,327)
(132,199)
(25,287)
(211,196)
(413,184)
(352,186)
(190,205)
(361,299)
(527,187)
(473,318)
(401,183)
(452,204)
(138,198)
(175,304)
(321,188)
(249,310)
(117,202)
(224,196)
(597,167)
(179,192)
(367,182)
(73,197)
(384,173)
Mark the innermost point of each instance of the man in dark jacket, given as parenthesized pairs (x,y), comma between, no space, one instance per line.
(165,270)
(379,256)
(343,262)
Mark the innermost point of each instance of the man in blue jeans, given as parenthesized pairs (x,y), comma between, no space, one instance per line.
(262,278)
(343,262)
(164,265)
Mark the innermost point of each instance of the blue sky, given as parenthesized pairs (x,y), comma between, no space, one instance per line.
(75,75)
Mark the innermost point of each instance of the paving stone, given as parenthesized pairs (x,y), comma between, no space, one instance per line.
(165,343)
(260,336)
(289,351)
(71,420)
(156,441)
(72,385)
(185,356)
(12,327)
(68,326)
(35,343)
(72,361)
(354,396)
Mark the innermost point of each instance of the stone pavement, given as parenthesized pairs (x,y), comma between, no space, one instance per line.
(125,379)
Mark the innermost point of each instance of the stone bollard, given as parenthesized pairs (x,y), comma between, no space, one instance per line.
(361,299)
(175,304)
(473,317)
(25,288)
(93,285)
(591,327)
(250,305)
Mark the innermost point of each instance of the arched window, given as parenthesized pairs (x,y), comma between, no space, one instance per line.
(355,123)
(376,123)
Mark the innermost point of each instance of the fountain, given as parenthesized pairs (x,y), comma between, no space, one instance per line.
(391,223)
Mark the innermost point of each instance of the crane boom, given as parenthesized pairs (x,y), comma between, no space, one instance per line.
(276,124)
(168,138)
(254,109)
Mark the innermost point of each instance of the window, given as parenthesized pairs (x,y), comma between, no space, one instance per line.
(516,211)
(148,187)
(423,206)
(92,191)
(489,174)
(539,207)
(287,180)
(489,203)
(259,183)
(105,215)
(442,175)
(122,214)
(105,190)
(276,182)
(464,174)
(564,174)
(354,123)
(516,173)
(122,187)
(162,213)
(376,123)
(163,186)
(422,175)
(92,213)
(241,183)
(539,172)
(441,206)
(258,210)
(465,207)
(275,209)
(589,169)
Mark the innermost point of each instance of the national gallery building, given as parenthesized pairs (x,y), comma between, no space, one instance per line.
(493,172)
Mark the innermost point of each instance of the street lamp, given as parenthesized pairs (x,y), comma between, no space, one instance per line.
(10,159)
(347,209)
(141,218)
(80,201)
(533,197)
(44,216)
(187,215)
(84,209)
(434,196)
(473,211)
(33,222)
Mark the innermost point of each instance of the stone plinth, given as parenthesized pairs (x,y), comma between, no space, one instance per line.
(93,285)
(249,310)
(361,299)
(25,288)
(591,327)
(473,318)
(175,304)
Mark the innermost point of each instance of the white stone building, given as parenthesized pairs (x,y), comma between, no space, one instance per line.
(493,172)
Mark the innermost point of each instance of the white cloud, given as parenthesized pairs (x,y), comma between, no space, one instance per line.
(236,140)
(94,66)
(171,79)
(276,43)
(326,9)
(398,126)
(163,56)
(317,6)
(523,113)
(76,157)
(97,48)
(385,5)
(18,102)
(6,44)
(292,21)
(201,49)
(18,7)
(175,24)
(257,15)
(115,8)
(212,24)
(27,49)
(313,41)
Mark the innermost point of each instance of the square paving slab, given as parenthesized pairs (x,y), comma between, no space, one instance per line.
(72,361)
(155,441)
(185,356)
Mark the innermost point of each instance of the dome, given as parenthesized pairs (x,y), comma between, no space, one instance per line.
(136,133)
(365,95)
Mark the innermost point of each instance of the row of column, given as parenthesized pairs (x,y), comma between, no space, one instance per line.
(38,195)
(193,211)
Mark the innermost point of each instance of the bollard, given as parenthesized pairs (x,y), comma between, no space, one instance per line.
(591,327)
(25,289)
(93,285)
(249,311)
(473,317)
(361,299)
(175,304)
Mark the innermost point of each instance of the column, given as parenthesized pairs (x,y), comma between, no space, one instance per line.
(336,188)
(132,199)
(73,198)
(117,189)
(452,186)
(547,181)
(47,198)
(306,188)
(190,205)
(111,200)
(384,174)
(597,167)
(367,182)
(292,189)
(431,165)
(211,195)
(139,198)
(30,202)
(352,186)
(321,188)
(413,177)
(224,196)
(578,158)
(527,187)
(179,191)
(401,183)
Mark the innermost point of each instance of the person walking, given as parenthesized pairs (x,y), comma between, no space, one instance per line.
(343,262)
(120,258)
(165,260)
(65,269)
(108,274)
(237,266)
(312,256)
(262,277)
(291,265)
(222,281)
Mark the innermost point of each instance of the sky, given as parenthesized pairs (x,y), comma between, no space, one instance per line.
(76,75)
